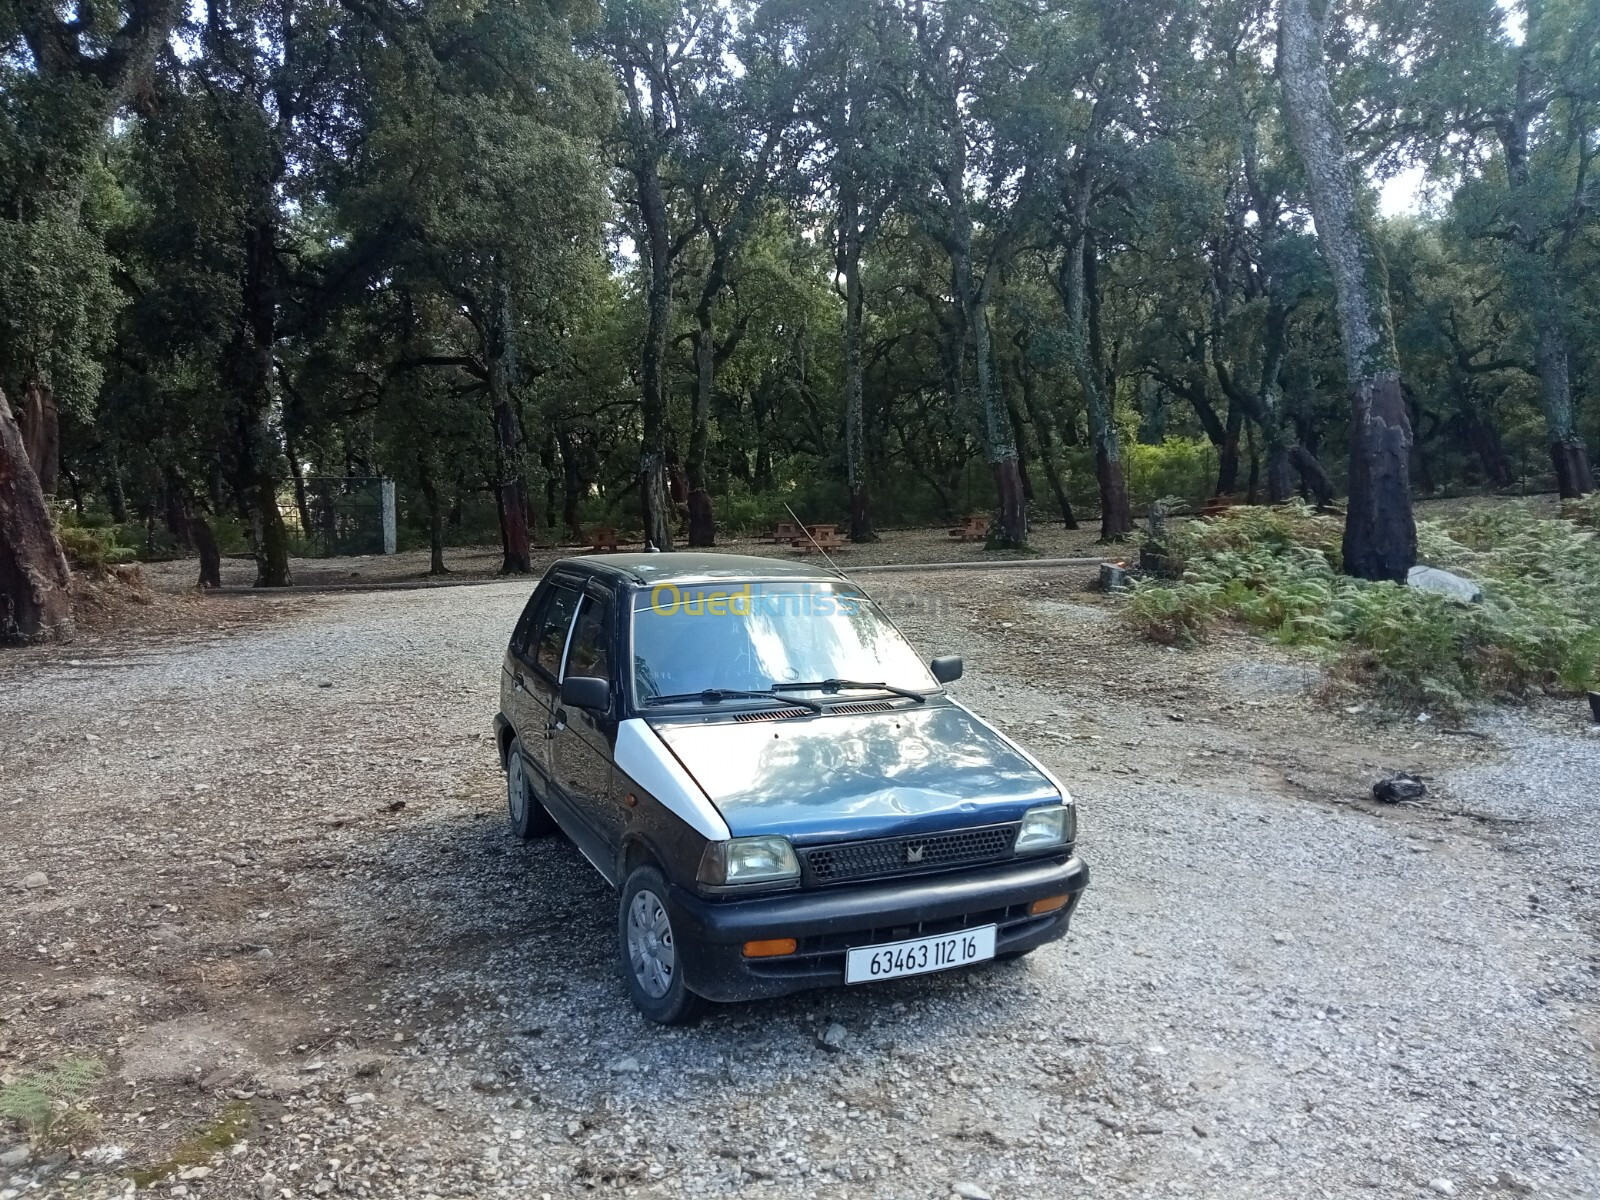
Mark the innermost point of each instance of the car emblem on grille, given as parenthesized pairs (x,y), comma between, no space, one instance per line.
(914,854)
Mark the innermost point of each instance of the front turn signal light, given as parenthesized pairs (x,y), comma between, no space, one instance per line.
(1049,904)
(771,948)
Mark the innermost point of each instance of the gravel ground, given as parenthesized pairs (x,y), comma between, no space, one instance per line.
(281,904)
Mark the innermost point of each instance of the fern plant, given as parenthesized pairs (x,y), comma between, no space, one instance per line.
(1277,571)
(51,1105)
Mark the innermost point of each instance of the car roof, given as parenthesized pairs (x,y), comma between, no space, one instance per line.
(695,567)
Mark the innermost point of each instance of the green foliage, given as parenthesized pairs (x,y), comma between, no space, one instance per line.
(51,1106)
(56,307)
(1273,571)
(92,547)
(1182,467)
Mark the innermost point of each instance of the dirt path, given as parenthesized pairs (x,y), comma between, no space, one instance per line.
(282,906)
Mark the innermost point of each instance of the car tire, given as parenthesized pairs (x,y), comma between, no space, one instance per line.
(652,968)
(529,819)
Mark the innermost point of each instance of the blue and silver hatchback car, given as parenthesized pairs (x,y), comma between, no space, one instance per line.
(781,790)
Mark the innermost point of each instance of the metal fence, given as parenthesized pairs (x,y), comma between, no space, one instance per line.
(349,515)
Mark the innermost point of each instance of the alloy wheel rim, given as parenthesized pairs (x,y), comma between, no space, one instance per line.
(651,954)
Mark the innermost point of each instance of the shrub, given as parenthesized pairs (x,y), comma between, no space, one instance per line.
(91,547)
(1276,571)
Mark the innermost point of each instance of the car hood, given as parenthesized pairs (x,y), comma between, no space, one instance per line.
(905,771)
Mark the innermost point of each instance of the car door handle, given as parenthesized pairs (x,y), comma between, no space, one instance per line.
(519,683)
(557,723)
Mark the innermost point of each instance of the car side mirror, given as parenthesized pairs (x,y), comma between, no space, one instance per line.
(946,669)
(586,691)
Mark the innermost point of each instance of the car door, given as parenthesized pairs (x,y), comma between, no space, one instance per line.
(515,702)
(583,743)
(539,673)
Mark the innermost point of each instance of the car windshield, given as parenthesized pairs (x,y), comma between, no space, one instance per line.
(752,636)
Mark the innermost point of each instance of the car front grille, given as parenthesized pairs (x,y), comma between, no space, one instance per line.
(906,855)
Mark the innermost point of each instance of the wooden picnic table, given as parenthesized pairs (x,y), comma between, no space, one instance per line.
(821,537)
(1218,505)
(785,532)
(603,540)
(974,528)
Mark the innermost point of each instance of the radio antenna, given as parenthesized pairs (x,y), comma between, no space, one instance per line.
(832,566)
(806,529)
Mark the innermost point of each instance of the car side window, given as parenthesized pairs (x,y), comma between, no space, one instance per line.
(523,633)
(553,626)
(591,640)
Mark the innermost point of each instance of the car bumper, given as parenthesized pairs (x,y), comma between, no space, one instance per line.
(711,934)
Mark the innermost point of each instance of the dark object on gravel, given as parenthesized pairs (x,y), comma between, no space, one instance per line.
(1594,706)
(1398,787)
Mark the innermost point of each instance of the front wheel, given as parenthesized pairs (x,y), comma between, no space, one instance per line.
(652,965)
(528,817)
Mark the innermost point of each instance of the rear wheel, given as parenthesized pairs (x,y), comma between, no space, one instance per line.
(652,966)
(528,817)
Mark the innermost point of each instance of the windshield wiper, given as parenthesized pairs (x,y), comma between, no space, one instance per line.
(834,685)
(717,695)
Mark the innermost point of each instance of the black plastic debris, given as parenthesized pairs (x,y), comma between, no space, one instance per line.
(1399,787)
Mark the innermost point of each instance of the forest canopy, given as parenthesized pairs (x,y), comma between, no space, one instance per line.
(672,266)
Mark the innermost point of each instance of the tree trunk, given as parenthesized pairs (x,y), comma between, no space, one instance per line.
(510,490)
(252,375)
(35,582)
(511,486)
(199,532)
(1568,454)
(1252,495)
(40,421)
(1536,277)
(430,494)
(761,474)
(702,518)
(855,450)
(1419,450)
(1380,535)
(1019,438)
(657,507)
(1041,425)
(655,499)
(1076,279)
(1228,452)
(1484,437)
(116,496)
(175,507)
(572,486)
(998,439)
(297,473)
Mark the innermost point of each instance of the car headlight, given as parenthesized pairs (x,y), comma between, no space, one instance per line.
(1047,828)
(749,860)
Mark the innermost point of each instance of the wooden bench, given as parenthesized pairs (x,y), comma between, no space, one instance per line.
(821,537)
(603,540)
(974,528)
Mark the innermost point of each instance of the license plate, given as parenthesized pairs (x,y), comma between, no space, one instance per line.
(918,956)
